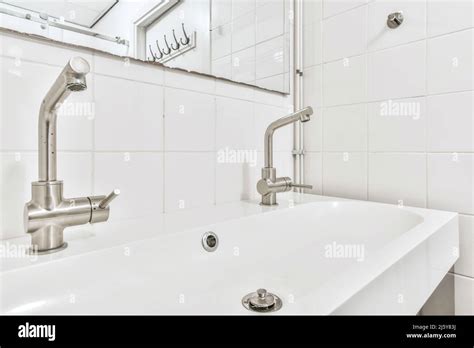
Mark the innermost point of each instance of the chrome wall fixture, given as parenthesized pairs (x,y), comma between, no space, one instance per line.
(269,185)
(395,19)
(49,213)
(174,49)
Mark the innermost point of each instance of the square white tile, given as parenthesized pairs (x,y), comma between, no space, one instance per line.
(450,62)
(450,122)
(397,178)
(345,174)
(450,182)
(345,128)
(189,121)
(235,127)
(397,125)
(458,12)
(397,72)
(182,193)
(345,35)
(129,115)
(345,81)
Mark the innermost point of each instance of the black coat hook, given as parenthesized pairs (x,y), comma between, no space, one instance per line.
(166,52)
(152,54)
(176,42)
(187,39)
(159,50)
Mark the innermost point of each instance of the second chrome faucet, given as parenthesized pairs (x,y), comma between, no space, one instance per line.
(269,185)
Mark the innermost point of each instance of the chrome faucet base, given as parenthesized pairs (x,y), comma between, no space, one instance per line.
(270,197)
(33,250)
(49,213)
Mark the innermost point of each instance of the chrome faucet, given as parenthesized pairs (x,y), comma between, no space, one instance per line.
(269,185)
(49,213)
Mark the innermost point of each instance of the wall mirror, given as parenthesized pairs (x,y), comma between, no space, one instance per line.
(245,41)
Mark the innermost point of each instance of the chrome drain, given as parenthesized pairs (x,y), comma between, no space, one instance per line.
(210,241)
(262,301)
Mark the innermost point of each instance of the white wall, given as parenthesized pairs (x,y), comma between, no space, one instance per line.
(356,68)
(154,132)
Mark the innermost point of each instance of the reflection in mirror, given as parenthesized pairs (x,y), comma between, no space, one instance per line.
(241,40)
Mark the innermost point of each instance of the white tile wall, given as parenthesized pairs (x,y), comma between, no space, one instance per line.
(450,183)
(404,79)
(398,178)
(397,125)
(416,137)
(339,42)
(450,125)
(136,126)
(147,129)
(345,174)
(189,121)
(180,191)
(439,11)
(345,128)
(345,81)
(450,60)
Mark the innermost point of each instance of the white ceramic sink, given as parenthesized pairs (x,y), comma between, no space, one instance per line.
(320,255)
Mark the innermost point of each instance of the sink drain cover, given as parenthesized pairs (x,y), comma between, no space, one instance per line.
(262,301)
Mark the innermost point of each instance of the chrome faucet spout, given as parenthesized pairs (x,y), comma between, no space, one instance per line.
(71,79)
(302,115)
(269,185)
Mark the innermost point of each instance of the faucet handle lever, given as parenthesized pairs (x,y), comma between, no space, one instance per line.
(110,197)
(303,186)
